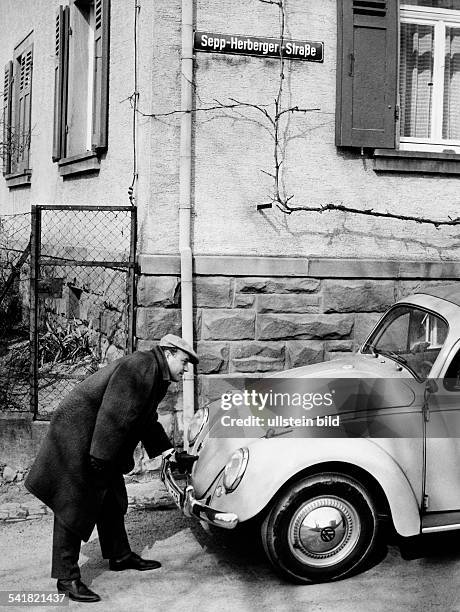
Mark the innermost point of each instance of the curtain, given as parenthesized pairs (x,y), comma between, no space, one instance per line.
(451,115)
(416,79)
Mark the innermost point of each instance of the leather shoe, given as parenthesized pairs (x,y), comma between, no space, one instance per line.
(77,590)
(134,561)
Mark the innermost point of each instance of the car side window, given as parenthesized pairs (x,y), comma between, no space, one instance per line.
(410,336)
(452,377)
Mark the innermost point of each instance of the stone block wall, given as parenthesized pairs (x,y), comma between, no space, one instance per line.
(271,324)
(250,325)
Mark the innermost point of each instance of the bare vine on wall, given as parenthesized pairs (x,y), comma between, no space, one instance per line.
(273,116)
(284,201)
(279,196)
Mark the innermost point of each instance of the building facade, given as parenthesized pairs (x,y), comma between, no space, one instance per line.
(273,189)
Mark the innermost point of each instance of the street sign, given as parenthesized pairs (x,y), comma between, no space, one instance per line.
(235,44)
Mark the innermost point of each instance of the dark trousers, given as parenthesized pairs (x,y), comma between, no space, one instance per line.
(112,539)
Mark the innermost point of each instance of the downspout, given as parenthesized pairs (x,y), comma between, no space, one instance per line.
(185,203)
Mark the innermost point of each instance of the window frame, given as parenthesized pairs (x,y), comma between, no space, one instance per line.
(370,346)
(16,164)
(439,19)
(380,141)
(86,158)
(80,77)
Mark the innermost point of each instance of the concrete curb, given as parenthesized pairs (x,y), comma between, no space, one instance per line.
(150,495)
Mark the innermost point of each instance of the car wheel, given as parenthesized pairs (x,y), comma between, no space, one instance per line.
(322,528)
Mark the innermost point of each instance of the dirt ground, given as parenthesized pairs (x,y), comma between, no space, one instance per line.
(14,492)
(202,572)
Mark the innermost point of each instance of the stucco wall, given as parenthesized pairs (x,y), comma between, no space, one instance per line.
(110,185)
(231,148)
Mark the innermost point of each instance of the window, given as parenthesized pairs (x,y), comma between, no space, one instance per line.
(429,83)
(81,85)
(410,336)
(17,96)
(398,77)
(452,378)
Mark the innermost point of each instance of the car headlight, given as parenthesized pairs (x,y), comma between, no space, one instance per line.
(197,423)
(235,468)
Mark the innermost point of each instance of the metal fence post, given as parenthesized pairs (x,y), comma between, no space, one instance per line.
(34,273)
(132,280)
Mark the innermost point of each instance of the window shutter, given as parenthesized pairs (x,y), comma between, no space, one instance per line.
(23,90)
(101,75)
(7,100)
(60,83)
(367,58)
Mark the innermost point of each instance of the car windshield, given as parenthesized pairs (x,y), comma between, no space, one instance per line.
(410,336)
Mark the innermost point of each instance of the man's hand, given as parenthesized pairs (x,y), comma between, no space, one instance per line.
(183,461)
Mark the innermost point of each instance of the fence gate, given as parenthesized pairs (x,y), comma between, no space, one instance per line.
(82,280)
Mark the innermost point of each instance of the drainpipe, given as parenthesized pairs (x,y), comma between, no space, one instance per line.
(185,202)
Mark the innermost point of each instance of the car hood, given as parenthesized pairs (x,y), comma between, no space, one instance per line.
(356,365)
(379,380)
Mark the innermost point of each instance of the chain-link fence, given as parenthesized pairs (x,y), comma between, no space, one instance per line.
(14,312)
(67,300)
(82,265)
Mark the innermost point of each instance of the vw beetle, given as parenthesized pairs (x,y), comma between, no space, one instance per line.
(321,502)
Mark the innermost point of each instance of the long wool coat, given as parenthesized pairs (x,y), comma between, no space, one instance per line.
(106,416)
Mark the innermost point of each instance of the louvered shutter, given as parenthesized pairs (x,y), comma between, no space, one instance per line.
(23,91)
(61,82)
(367,58)
(101,75)
(7,101)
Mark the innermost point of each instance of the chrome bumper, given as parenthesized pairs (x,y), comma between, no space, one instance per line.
(185,500)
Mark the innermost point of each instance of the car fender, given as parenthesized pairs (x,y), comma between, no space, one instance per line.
(283,459)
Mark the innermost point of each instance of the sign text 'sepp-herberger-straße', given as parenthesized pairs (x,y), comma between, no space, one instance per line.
(261,47)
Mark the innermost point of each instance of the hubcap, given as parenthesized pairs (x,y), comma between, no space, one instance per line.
(324,531)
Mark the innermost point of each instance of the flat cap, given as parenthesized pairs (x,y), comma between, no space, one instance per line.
(173,341)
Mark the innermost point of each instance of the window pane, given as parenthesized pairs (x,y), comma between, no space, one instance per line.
(440,4)
(451,118)
(416,76)
(79,97)
(411,337)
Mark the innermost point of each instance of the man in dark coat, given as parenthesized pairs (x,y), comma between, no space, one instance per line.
(79,469)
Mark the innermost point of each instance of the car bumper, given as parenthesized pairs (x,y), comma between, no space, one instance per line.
(190,506)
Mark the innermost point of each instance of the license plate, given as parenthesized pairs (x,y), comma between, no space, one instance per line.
(174,494)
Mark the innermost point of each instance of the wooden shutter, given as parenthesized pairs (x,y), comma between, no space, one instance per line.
(367,58)
(101,75)
(7,101)
(23,107)
(61,83)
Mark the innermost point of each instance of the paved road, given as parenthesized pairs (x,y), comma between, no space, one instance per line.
(201,573)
